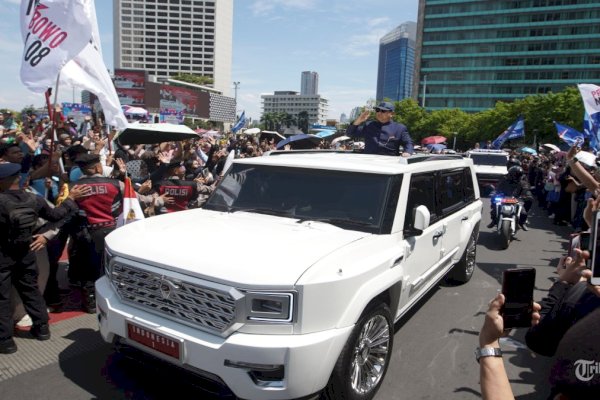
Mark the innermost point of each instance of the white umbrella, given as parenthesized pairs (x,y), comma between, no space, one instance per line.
(339,139)
(134,111)
(551,146)
(252,131)
(154,133)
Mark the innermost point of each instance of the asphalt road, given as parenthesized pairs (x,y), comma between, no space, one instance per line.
(433,349)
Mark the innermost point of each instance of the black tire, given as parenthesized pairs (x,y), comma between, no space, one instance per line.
(375,323)
(464,268)
(505,234)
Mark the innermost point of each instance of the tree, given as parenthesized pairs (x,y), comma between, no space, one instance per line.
(303,121)
(193,78)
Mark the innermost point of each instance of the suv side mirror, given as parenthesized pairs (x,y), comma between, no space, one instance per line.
(421,217)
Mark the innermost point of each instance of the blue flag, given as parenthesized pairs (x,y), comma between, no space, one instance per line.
(241,122)
(516,130)
(569,135)
(590,132)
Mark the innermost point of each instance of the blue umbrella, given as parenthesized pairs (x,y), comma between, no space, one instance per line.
(301,141)
(528,150)
(323,133)
(436,147)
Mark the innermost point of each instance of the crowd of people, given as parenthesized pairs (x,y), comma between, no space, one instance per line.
(67,193)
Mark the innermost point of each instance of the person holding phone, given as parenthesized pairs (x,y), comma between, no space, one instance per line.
(569,300)
(382,135)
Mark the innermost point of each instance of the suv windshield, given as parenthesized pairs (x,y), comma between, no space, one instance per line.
(498,160)
(347,199)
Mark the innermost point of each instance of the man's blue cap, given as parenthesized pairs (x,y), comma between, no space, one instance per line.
(385,106)
(9,169)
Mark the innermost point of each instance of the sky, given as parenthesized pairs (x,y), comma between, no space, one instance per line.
(273,42)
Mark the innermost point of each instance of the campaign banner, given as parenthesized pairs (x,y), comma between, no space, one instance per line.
(131,97)
(127,79)
(53,34)
(77,111)
(179,98)
(171,116)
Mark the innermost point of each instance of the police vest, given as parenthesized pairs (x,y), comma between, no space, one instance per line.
(182,192)
(105,203)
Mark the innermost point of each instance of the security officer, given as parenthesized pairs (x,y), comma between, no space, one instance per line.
(184,193)
(516,186)
(19,211)
(97,217)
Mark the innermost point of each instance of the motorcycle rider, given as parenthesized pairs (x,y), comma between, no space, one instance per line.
(514,184)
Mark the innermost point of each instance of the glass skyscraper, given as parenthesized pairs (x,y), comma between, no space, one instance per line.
(396,63)
(472,54)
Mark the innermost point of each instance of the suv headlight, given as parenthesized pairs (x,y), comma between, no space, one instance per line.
(270,307)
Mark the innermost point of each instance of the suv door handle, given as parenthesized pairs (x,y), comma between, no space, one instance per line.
(465,219)
(438,234)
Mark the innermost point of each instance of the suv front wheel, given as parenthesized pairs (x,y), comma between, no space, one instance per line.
(464,268)
(364,360)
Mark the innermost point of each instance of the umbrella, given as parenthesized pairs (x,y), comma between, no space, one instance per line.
(271,135)
(551,146)
(433,140)
(215,134)
(200,131)
(323,133)
(129,110)
(302,141)
(154,133)
(528,150)
(252,131)
(339,139)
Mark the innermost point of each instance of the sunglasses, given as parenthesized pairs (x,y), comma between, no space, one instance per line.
(381,110)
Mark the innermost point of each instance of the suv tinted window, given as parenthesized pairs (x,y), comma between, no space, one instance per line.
(421,193)
(451,190)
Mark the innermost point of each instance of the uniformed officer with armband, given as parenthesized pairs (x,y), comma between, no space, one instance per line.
(19,212)
(184,193)
(97,217)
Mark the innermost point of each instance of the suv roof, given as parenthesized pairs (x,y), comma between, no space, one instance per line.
(349,161)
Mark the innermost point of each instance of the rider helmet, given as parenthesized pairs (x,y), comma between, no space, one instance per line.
(513,162)
(515,173)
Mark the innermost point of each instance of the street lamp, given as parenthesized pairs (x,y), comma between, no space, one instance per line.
(235,85)
(454,143)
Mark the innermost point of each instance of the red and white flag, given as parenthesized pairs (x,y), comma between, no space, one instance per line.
(131,206)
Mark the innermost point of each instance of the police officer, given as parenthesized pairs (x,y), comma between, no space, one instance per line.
(514,185)
(184,193)
(97,217)
(19,211)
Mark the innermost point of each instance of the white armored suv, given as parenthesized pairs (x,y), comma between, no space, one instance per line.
(287,283)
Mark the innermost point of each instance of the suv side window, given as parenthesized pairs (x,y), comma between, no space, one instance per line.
(421,193)
(469,190)
(451,190)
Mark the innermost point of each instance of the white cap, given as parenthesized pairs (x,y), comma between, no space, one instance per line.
(586,158)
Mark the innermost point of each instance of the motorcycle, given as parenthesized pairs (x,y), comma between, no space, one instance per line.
(508,209)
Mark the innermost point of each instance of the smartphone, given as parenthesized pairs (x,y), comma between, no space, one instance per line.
(594,248)
(579,241)
(517,287)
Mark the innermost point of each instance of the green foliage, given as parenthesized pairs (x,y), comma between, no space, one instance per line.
(192,78)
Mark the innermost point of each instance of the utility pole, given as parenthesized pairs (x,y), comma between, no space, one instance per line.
(235,85)
(424,90)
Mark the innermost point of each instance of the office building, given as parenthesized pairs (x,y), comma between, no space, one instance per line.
(309,86)
(293,103)
(168,37)
(472,54)
(396,66)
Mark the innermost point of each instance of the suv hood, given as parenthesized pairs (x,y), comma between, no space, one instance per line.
(232,248)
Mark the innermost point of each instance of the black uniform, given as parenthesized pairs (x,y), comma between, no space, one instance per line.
(515,187)
(17,261)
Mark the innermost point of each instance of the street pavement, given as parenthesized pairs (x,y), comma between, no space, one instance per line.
(432,357)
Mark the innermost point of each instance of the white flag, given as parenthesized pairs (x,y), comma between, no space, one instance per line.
(590,94)
(53,33)
(131,206)
(88,71)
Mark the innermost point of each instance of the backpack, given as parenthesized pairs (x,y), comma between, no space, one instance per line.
(19,218)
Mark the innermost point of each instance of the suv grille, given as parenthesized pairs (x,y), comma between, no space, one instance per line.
(186,302)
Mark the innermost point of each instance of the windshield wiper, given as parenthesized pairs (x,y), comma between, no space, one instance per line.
(334,221)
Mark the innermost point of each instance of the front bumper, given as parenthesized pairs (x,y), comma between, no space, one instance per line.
(307,360)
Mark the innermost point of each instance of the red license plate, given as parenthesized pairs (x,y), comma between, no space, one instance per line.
(155,341)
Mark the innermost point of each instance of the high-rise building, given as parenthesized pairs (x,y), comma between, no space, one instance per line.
(471,54)
(310,83)
(166,38)
(396,67)
(292,103)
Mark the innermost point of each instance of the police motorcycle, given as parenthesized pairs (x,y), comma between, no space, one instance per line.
(508,209)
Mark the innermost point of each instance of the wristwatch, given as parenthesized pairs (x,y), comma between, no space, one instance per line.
(487,352)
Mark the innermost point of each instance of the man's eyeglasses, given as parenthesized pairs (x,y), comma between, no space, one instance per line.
(381,110)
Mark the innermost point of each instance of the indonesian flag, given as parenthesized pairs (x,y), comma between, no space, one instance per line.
(131,206)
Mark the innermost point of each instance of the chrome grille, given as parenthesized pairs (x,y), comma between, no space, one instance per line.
(193,304)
